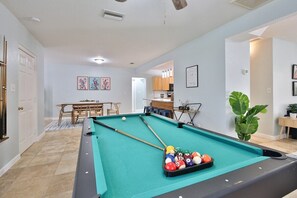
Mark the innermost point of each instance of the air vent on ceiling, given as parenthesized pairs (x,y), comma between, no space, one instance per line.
(108,14)
(250,4)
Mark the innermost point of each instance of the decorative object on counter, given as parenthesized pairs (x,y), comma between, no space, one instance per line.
(246,121)
(105,83)
(192,76)
(82,83)
(94,83)
(292,110)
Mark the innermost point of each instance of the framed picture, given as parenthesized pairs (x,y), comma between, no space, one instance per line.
(105,83)
(294,71)
(192,76)
(294,87)
(94,83)
(82,83)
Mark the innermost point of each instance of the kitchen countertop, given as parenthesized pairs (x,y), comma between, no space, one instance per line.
(161,99)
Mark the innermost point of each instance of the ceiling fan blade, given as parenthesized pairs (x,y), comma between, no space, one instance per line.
(179,4)
(120,0)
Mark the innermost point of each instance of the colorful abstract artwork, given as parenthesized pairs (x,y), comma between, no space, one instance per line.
(94,83)
(82,83)
(105,83)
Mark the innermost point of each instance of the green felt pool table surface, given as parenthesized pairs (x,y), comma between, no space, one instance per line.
(138,167)
(125,167)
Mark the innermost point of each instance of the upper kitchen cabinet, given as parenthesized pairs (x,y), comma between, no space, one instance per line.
(157,83)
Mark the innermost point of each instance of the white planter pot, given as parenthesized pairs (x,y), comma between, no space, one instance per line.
(293,115)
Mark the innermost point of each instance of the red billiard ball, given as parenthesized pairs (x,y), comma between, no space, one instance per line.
(180,164)
(170,166)
(206,158)
(194,154)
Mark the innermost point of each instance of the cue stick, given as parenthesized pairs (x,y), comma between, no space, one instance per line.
(152,130)
(128,135)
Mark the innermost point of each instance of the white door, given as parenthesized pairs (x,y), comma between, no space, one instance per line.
(27,100)
(138,94)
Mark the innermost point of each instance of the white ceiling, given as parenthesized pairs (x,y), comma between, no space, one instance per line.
(74,31)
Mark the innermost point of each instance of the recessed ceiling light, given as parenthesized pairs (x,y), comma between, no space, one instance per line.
(99,60)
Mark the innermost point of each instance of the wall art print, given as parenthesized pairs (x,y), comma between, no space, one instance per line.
(82,83)
(105,83)
(94,83)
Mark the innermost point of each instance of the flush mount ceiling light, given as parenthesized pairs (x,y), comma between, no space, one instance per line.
(178,4)
(99,60)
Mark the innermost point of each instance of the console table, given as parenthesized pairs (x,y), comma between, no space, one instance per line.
(191,109)
(287,122)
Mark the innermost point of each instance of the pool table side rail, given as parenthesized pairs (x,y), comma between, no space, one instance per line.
(85,180)
(270,178)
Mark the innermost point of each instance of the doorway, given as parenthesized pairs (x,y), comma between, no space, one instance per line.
(138,94)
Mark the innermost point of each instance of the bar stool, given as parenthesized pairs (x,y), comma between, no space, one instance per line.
(147,109)
(164,112)
(115,108)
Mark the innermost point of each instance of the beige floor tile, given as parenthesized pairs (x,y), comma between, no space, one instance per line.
(67,194)
(60,184)
(23,162)
(38,171)
(35,188)
(45,159)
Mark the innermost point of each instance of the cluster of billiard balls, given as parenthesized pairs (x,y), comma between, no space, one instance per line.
(176,159)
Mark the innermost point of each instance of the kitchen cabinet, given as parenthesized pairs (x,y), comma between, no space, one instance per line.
(157,83)
(161,84)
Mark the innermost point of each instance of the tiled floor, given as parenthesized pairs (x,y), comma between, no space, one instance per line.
(47,168)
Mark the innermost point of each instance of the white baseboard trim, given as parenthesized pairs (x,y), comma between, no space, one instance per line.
(9,164)
(39,137)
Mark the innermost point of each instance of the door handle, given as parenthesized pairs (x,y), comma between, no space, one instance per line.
(20,108)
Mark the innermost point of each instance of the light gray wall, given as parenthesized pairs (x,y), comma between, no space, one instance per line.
(60,86)
(16,35)
(284,56)
(262,82)
(208,51)
(237,59)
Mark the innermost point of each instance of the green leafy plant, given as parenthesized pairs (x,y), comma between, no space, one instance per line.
(246,121)
(292,108)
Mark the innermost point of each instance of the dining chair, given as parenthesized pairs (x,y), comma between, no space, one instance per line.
(115,108)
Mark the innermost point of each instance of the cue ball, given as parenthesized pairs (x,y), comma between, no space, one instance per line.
(124,118)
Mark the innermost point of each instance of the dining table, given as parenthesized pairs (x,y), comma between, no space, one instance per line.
(62,107)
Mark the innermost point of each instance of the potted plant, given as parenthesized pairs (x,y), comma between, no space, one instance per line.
(246,121)
(292,109)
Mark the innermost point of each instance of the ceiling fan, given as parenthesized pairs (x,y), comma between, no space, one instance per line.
(178,4)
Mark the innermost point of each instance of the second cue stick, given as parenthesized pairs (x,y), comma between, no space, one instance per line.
(152,130)
(128,135)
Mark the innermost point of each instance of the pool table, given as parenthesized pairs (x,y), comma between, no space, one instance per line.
(112,165)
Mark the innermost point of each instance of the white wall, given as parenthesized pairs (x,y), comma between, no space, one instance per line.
(208,52)
(262,82)
(237,61)
(16,35)
(60,86)
(284,55)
